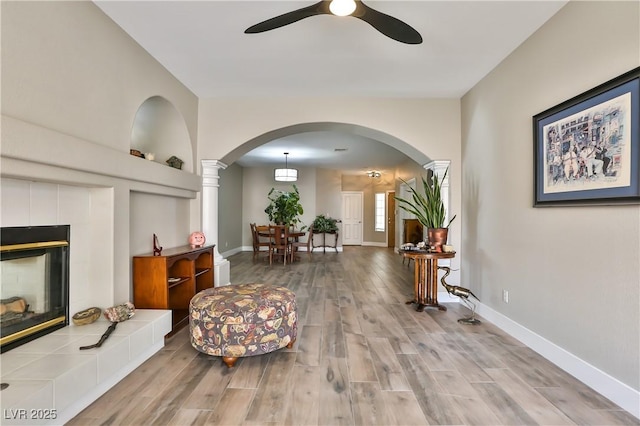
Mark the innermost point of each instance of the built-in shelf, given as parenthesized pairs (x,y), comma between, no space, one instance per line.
(159,129)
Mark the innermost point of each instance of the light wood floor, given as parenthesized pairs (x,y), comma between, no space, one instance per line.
(363,357)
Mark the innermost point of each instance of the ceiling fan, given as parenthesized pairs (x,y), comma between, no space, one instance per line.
(387,25)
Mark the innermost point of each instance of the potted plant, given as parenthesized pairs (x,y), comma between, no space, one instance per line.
(325,224)
(284,207)
(429,209)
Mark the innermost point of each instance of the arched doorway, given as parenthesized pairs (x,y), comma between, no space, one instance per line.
(321,182)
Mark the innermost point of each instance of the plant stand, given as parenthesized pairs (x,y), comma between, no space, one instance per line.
(425,281)
(324,244)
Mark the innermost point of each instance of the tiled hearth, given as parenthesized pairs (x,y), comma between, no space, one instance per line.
(51,377)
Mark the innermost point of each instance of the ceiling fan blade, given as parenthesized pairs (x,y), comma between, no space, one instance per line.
(387,25)
(319,8)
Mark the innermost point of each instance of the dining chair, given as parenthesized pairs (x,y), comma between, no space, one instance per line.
(295,245)
(280,244)
(258,241)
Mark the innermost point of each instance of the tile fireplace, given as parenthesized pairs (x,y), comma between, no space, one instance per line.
(34,272)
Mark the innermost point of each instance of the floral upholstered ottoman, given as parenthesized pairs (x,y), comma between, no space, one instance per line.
(243,320)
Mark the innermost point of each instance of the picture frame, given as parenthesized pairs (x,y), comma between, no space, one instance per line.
(587,149)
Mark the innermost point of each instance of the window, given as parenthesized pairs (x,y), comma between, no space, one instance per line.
(380,216)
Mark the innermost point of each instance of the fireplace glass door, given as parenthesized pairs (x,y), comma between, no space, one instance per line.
(34,271)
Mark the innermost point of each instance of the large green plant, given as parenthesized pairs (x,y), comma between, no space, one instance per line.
(325,224)
(428,207)
(284,206)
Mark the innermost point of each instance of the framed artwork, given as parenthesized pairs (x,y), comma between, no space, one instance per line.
(587,149)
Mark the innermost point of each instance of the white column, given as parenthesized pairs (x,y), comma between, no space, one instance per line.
(210,185)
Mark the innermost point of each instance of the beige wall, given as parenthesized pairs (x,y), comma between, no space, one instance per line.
(369,188)
(157,214)
(231,209)
(423,129)
(572,274)
(329,199)
(429,127)
(320,193)
(257,182)
(71,69)
(72,82)
(328,188)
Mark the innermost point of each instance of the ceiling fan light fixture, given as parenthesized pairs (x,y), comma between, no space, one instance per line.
(342,7)
(386,24)
(374,174)
(286,174)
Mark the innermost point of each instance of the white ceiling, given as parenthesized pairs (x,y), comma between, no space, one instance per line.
(202,43)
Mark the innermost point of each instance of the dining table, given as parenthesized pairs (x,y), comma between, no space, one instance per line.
(294,234)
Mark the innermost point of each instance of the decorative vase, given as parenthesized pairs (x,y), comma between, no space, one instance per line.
(437,238)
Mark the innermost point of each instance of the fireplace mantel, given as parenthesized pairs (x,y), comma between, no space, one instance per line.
(110,178)
(29,151)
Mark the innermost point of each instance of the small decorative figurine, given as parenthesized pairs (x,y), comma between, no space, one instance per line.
(115,314)
(87,316)
(136,153)
(196,239)
(157,249)
(463,294)
(175,162)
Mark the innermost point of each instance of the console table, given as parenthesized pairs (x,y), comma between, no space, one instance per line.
(170,280)
(425,281)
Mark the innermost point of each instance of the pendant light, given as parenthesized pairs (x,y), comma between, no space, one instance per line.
(286,174)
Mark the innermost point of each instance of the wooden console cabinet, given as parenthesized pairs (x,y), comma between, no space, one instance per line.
(170,280)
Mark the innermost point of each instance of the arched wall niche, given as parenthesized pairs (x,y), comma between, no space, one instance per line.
(383,137)
(160,129)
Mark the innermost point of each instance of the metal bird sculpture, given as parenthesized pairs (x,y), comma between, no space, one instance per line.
(463,294)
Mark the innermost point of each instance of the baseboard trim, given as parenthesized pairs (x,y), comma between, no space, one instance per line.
(373,244)
(326,249)
(236,251)
(618,392)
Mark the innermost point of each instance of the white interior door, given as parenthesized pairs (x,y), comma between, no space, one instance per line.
(352,218)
